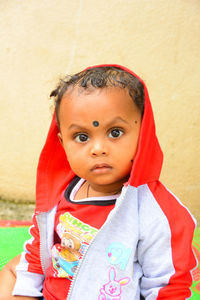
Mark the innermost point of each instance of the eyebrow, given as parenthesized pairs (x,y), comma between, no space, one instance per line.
(115,120)
(75,126)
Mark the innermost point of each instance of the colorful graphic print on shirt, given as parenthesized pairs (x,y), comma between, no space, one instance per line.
(75,237)
(112,290)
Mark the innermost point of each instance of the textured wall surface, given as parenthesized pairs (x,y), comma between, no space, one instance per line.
(41,40)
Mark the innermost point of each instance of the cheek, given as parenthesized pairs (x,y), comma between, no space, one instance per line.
(130,146)
(74,164)
(70,149)
(74,158)
(128,153)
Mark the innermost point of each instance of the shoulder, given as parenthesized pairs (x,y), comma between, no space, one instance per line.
(171,206)
(159,207)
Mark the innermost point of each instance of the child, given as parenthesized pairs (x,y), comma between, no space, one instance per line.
(104,226)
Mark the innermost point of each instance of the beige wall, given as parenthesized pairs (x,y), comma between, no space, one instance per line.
(158,39)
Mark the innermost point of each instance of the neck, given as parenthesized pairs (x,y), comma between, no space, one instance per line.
(92,190)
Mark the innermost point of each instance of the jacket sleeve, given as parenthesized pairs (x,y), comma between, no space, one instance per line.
(30,275)
(165,248)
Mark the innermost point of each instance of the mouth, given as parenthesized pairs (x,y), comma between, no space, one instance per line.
(101,168)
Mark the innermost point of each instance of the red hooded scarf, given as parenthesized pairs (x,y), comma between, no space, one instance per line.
(54,172)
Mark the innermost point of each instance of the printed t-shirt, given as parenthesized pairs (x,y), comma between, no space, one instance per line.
(76,224)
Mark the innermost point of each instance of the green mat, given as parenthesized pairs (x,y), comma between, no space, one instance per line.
(13,238)
(11,242)
(196,272)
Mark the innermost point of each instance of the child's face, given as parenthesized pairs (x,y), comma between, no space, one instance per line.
(99,131)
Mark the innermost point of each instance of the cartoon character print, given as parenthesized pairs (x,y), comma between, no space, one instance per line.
(75,237)
(118,254)
(113,288)
(66,256)
(71,246)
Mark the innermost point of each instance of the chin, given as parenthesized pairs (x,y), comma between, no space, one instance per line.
(105,181)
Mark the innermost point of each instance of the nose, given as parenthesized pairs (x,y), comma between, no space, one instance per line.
(99,148)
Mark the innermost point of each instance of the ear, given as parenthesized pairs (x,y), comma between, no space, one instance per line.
(124,281)
(112,274)
(60,138)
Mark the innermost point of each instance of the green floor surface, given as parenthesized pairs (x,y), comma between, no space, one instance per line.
(11,242)
(196,272)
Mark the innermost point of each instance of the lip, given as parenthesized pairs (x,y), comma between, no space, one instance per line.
(101,168)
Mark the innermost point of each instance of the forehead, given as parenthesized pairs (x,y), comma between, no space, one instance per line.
(96,105)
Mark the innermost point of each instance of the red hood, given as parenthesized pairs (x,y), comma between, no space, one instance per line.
(54,172)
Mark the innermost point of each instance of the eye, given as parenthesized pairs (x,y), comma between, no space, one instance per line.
(67,243)
(115,133)
(70,244)
(81,138)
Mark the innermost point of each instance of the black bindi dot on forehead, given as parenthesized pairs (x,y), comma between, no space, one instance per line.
(95,123)
(135,121)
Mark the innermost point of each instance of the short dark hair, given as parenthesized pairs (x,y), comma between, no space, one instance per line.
(101,77)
